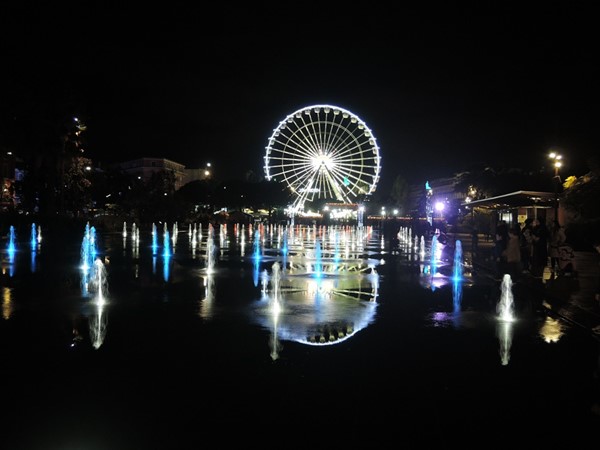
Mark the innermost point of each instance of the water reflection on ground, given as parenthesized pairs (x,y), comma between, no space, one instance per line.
(301,317)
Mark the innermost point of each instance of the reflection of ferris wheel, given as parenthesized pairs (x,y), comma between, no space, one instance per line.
(323,152)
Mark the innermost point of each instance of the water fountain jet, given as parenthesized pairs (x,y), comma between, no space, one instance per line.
(505,307)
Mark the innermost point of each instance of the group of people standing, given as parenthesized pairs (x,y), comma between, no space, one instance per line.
(528,248)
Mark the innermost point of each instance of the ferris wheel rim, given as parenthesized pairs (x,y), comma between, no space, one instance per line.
(335,156)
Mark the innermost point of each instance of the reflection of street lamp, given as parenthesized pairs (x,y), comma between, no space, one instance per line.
(557,159)
(360,214)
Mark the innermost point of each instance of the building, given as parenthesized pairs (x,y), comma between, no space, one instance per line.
(144,168)
(517,206)
(422,197)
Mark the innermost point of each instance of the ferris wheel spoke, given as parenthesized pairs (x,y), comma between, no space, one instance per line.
(329,187)
(340,139)
(302,184)
(327,135)
(354,170)
(318,134)
(304,177)
(301,145)
(299,170)
(308,133)
(350,149)
(288,165)
(339,183)
(296,148)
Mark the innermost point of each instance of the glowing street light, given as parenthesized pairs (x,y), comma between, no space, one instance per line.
(439,206)
(557,158)
(557,162)
(207,170)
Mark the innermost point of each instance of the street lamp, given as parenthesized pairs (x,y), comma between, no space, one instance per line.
(439,207)
(557,161)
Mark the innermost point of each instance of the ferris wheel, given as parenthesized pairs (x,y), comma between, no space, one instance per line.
(323,152)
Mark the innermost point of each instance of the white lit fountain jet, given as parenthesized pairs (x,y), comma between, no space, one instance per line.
(98,321)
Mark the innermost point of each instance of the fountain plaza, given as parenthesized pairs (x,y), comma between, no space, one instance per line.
(158,337)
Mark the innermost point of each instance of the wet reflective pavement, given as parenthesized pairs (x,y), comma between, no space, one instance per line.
(382,347)
(569,297)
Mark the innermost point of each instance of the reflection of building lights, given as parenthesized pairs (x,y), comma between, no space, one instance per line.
(7,303)
(551,330)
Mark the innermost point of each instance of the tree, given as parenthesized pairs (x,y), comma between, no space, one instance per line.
(76,185)
(110,188)
(400,194)
(484,181)
(580,200)
(580,197)
(195,199)
(158,196)
(273,196)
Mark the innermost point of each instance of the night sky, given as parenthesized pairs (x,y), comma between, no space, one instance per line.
(440,88)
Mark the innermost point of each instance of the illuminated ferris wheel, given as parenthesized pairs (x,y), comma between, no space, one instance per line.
(323,152)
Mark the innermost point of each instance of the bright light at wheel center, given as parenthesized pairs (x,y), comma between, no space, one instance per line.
(322,161)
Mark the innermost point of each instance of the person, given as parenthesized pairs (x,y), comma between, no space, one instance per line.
(540,248)
(557,237)
(512,253)
(526,245)
(474,239)
(501,240)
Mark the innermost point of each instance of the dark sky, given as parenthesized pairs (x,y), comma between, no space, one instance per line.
(440,89)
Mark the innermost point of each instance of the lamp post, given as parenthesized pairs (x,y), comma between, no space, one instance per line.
(439,207)
(557,161)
